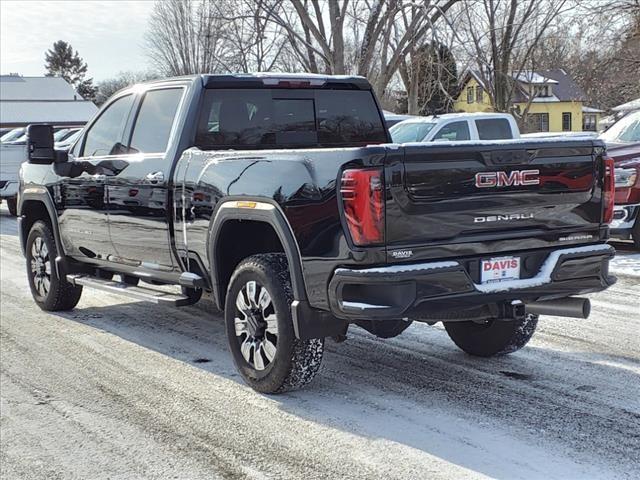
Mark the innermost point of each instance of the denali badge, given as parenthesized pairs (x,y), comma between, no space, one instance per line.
(503,218)
(516,178)
(402,253)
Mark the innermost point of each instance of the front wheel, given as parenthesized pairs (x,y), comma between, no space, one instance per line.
(50,291)
(493,337)
(260,331)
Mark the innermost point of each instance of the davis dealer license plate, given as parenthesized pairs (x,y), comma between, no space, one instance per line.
(499,269)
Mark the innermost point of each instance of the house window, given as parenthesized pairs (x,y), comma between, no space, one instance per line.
(589,122)
(566,121)
(470,95)
(479,94)
(541,91)
(538,122)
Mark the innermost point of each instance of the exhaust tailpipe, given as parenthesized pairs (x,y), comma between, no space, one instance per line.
(562,307)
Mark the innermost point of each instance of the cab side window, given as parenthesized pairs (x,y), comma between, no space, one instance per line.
(155,120)
(454,131)
(104,137)
(494,129)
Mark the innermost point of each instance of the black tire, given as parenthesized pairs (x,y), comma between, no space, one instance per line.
(274,360)
(385,328)
(49,291)
(494,337)
(12,205)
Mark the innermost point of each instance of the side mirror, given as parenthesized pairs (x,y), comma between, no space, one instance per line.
(40,144)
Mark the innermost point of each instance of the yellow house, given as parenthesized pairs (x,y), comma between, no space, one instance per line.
(557,104)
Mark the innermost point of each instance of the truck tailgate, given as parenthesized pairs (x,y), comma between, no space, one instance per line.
(485,193)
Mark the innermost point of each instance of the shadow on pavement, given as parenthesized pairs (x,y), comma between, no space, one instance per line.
(421,391)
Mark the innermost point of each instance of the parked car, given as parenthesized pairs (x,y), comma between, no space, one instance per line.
(11,157)
(624,132)
(623,145)
(283,197)
(456,127)
(12,135)
(14,153)
(68,139)
(390,118)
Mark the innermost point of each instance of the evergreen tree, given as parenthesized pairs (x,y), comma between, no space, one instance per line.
(439,79)
(63,61)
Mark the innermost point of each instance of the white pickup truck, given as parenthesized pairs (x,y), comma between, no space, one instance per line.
(11,157)
(456,127)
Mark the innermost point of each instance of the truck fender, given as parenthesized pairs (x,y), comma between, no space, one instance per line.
(41,195)
(261,210)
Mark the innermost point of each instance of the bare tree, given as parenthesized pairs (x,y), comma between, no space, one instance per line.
(186,36)
(107,88)
(499,37)
(598,44)
(380,33)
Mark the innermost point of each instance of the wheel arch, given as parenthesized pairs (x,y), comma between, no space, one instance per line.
(35,204)
(266,217)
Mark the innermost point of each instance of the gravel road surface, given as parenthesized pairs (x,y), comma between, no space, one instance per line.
(121,389)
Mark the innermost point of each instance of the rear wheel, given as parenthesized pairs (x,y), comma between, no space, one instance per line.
(260,331)
(493,337)
(50,292)
(12,205)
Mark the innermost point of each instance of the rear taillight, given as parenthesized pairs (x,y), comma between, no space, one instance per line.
(608,191)
(363,200)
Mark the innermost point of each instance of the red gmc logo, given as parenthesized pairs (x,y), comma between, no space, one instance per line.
(516,178)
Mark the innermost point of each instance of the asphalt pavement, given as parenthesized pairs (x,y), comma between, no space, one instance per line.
(122,389)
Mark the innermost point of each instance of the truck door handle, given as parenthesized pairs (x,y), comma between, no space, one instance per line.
(155,177)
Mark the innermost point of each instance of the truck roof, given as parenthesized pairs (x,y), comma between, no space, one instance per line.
(274,79)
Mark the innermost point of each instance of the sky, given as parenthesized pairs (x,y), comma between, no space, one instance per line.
(108,35)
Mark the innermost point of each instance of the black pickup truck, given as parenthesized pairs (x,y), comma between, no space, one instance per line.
(282,196)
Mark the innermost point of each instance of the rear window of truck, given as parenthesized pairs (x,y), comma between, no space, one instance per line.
(281,118)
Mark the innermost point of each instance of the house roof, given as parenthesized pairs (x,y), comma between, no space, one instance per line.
(13,87)
(25,100)
(529,76)
(52,111)
(563,88)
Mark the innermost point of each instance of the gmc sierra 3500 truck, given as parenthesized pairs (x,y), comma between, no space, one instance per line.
(283,197)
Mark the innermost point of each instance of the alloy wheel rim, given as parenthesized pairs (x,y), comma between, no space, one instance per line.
(256,325)
(40,266)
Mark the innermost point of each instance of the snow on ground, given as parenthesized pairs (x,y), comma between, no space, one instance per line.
(626,261)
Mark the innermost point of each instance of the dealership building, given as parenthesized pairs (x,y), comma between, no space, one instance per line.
(26,100)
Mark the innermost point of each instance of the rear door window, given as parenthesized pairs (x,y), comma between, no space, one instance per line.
(155,120)
(494,129)
(271,118)
(453,132)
